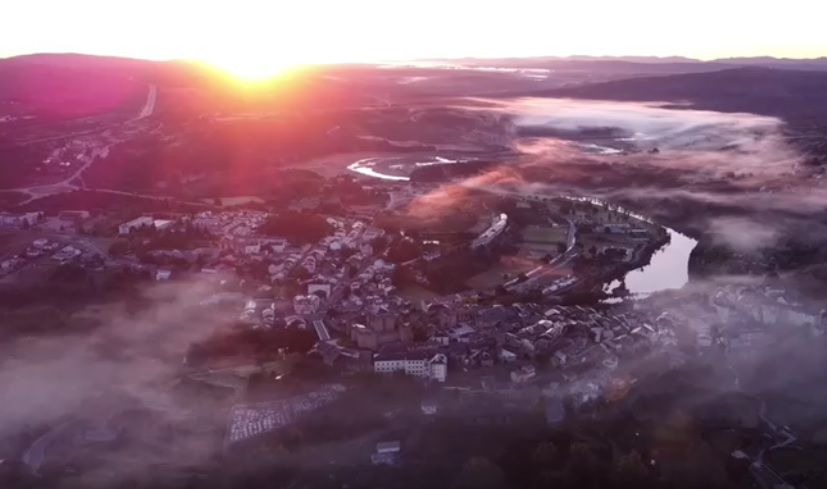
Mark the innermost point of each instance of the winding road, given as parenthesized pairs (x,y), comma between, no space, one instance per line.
(68,184)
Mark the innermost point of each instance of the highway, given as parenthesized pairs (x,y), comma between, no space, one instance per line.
(67,184)
(763,472)
(149,105)
(36,453)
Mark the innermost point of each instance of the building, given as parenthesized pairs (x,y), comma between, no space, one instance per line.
(323,290)
(306,304)
(523,374)
(27,219)
(429,407)
(162,274)
(143,222)
(507,356)
(381,328)
(439,367)
(417,364)
(387,453)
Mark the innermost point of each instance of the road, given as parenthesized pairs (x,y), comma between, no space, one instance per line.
(321,330)
(67,184)
(149,105)
(36,453)
(761,471)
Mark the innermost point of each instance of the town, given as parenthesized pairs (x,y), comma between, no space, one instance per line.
(522,299)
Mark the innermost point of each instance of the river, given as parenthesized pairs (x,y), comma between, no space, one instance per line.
(668,268)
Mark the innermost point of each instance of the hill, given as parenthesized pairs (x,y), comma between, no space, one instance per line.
(790,94)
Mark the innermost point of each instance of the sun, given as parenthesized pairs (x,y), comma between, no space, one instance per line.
(252,69)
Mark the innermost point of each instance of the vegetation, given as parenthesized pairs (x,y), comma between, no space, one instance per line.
(251,343)
(298,227)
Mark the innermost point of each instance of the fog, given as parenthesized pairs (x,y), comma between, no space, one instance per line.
(701,141)
(696,170)
(128,358)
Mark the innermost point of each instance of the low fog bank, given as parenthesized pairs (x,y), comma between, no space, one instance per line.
(779,363)
(119,377)
(730,179)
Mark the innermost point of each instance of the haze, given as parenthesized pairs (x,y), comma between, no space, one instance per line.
(255,38)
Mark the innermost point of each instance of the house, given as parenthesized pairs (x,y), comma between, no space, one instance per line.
(306,304)
(387,453)
(277,245)
(429,407)
(66,253)
(323,290)
(523,374)
(252,249)
(162,274)
(388,447)
(507,356)
(162,224)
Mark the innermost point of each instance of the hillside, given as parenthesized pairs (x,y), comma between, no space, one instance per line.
(790,94)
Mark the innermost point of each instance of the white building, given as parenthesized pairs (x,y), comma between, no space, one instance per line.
(277,245)
(19,220)
(523,374)
(387,453)
(507,356)
(416,364)
(306,304)
(162,274)
(135,224)
(319,288)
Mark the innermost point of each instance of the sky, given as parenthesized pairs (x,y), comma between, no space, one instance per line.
(268,35)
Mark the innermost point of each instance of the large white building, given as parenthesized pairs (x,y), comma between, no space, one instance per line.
(417,364)
(135,224)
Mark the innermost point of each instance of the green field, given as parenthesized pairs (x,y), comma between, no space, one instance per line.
(494,275)
(545,234)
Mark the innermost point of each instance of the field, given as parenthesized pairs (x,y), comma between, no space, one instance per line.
(494,276)
(545,234)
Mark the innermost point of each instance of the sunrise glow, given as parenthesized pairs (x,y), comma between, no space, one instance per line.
(251,69)
(255,39)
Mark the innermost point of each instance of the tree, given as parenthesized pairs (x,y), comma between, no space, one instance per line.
(479,473)
(549,479)
(545,455)
(120,247)
(629,471)
(582,467)
(298,227)
(402,250)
